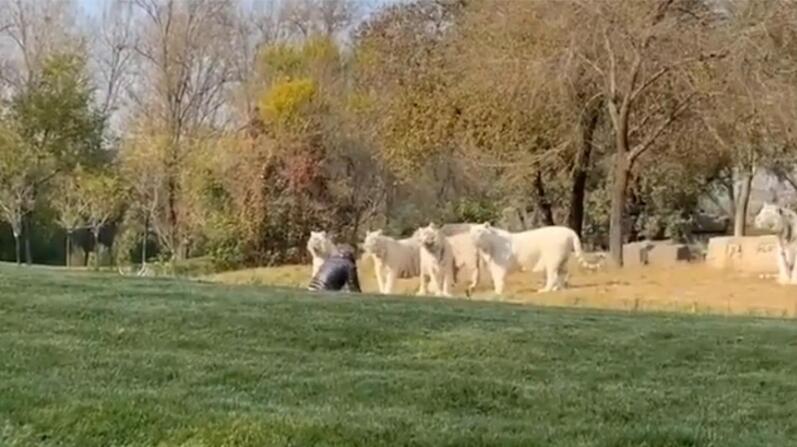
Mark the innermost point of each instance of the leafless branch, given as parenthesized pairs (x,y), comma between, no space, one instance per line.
(674,115)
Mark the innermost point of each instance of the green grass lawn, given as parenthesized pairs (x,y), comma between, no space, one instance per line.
(97,360)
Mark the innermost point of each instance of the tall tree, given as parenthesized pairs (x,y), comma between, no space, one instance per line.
(742,109)
(20,165)
(407,104)
(542,91)
(639,50)
(327,17)
(184,59)
(102,194)
(141,171)
(30,32)
(69,201)
(56,118)
(112,54)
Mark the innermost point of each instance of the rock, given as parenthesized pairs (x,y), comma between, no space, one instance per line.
(636,253)
(753,254)
(668,254)
(659,253)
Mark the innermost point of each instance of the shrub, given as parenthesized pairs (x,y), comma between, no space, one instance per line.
(285,100)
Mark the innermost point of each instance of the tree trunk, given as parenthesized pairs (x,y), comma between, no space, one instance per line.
(144,242)
(743,197)
(575,219)
(172,210)
(619,188)
(731,198)
(26,231)
(68,251)
(18,245)
(96,232)
(634,206)
(546,210)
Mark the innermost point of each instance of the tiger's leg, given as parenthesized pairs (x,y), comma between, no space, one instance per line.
(794,266)
(390,282)
(561,276)
(422,289)
(378,274)
(379,269)
(561,283)
(448,281)
(784,269)
(499,279)
(435,283)
(316,266)
(551,278)
(475,275)
(474,280)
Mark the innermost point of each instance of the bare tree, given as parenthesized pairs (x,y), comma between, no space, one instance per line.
(184,69)
(16,199)
(113,54)
(19,167)
(741,110)
(639,49)
(253,30)
(70,204)
(30,30)
(30,33)
(326,17)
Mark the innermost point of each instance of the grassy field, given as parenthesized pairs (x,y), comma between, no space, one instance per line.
(92,360)
(691,288)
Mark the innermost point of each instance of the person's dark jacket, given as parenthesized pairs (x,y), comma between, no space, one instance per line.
(339,271)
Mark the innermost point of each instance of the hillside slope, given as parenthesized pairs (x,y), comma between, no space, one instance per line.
(96,360)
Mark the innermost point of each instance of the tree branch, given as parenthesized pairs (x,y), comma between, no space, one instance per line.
(650,81)
(664,70)
(644,146)
(642,123)
(612,67)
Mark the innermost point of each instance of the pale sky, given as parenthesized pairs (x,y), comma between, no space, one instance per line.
(92,7)
(95,7)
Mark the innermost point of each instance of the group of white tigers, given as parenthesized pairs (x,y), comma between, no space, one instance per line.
(438,255)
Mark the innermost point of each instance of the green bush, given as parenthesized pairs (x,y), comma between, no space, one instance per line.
(469,210)
(227,255)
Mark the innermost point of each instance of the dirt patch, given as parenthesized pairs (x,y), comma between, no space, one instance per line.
(693,288)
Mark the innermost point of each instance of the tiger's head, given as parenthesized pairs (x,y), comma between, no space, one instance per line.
(374,243)
(430,237)
(320,244)
(770,218)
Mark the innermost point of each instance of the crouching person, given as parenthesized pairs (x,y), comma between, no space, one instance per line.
(338,272)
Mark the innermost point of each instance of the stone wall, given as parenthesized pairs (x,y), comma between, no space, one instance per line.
(659,253)
(753,254)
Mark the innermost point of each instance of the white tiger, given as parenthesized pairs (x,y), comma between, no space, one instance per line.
(437,260)
(545,249)
(392,258)
(321,246)
(782,222)
(466,257)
